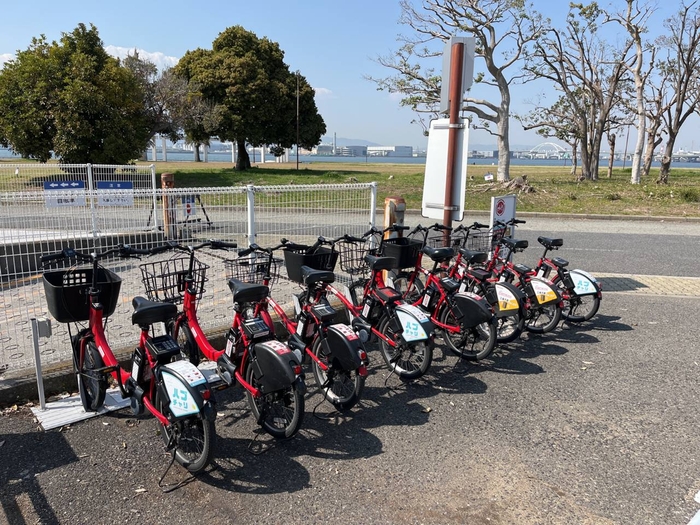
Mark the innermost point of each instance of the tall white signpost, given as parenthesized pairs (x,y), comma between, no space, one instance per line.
(445,181)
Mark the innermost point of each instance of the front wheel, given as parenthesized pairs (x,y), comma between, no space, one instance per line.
(407,360)
(92,381)
(473,343)
(193,438)
(580,308)
(543,319)
(342,388)
(279,413)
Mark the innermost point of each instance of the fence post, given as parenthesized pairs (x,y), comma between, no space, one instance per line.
(155,197)
(91,188)
(167,181)
(250,192)
(40,328)
(373,204)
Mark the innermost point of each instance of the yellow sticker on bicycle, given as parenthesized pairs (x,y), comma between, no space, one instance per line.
(543,291)
(506,299)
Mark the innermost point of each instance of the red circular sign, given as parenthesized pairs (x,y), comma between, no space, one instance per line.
(500,207)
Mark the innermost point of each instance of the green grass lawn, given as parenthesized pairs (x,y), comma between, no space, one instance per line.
(556,191)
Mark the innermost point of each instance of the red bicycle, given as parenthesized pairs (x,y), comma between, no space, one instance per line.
(174,391)
(335,351)
(266,368)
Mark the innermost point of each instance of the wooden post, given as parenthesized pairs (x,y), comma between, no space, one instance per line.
(167,182)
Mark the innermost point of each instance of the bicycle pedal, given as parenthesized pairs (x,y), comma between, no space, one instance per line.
(225,376)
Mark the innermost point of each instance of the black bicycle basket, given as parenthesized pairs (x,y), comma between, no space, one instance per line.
(164,281)
(67,293)
(252,268)
(323,258)
(403,249)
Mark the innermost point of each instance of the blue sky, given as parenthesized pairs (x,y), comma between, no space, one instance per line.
(334,44)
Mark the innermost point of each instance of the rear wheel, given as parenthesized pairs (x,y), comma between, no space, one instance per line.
(472,343)
(92,381)
(342,388)
(407,360)
(580,308)
(183,335)
(543,319)
(279,413)
(411,293)
(510,327)
(193,438)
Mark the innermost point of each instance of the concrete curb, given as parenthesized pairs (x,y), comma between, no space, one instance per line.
(575,216)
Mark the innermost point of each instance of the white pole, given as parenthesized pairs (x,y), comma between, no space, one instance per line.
(163,147)
(206,151)
(154,151)
(251,213)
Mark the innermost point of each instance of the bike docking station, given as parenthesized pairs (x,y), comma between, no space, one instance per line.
(56,414)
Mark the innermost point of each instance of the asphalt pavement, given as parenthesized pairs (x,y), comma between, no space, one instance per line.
(591,424)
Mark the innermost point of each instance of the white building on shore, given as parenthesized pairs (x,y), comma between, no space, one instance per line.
(390,151)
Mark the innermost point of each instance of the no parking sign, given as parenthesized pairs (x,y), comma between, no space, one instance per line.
(503,209)
(188,206)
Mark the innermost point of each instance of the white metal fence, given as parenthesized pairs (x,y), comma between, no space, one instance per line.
(36,220)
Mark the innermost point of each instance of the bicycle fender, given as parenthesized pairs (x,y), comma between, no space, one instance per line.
(544,292)
(584,283)
(471,309)
(343,345)
(182,385)
(415,324)
(509,300)
(273,366)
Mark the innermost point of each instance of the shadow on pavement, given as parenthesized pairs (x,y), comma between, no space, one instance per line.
(23,457)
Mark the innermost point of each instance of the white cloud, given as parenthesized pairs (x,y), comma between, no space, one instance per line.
(324,93)
(5,57)
(161,60)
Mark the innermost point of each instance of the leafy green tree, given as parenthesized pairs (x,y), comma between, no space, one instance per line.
(246,78)
(73,99)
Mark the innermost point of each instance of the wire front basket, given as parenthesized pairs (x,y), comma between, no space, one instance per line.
(352,257)
(164,281)
(253,268)
(484,241)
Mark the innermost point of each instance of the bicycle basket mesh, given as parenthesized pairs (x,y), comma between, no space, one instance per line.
(439,240)
(67,293)
(165,280)
(322,259)
(403,249)
(484,241)
(252,268)
(352,256)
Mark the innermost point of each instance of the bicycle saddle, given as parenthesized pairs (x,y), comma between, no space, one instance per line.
(439,254)
(247,292)
(149,312)
(311,276)
(522,268)
(473,257)
(380,263)
(550,243)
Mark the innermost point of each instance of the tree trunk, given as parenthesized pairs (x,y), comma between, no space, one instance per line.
(653,140)
(503,173)
(611,143)
(666,161)
(638,148)
(574,158)
(196,153)
(242,159)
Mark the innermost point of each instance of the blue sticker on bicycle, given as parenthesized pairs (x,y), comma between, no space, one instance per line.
(583,282)
(412,328)
(181,402)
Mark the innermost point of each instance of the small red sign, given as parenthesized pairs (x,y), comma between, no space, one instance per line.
(500,207)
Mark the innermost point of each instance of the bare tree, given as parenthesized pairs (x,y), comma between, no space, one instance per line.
(681,67)
(633,20)
(503,30)
(655,108)
(588,72)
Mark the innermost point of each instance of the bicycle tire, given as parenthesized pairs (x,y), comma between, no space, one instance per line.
(357,292)
(343,388)
(552,316)
(508,328)
(471,344)
(195,438)
(93,385)
(410,294)
(407,360)
(577,308)
(272,411)
(182,333)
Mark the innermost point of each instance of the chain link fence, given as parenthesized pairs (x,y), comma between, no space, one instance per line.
(38,219)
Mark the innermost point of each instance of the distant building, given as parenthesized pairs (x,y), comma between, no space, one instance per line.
(390,151)
(351,151)
(323,149)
